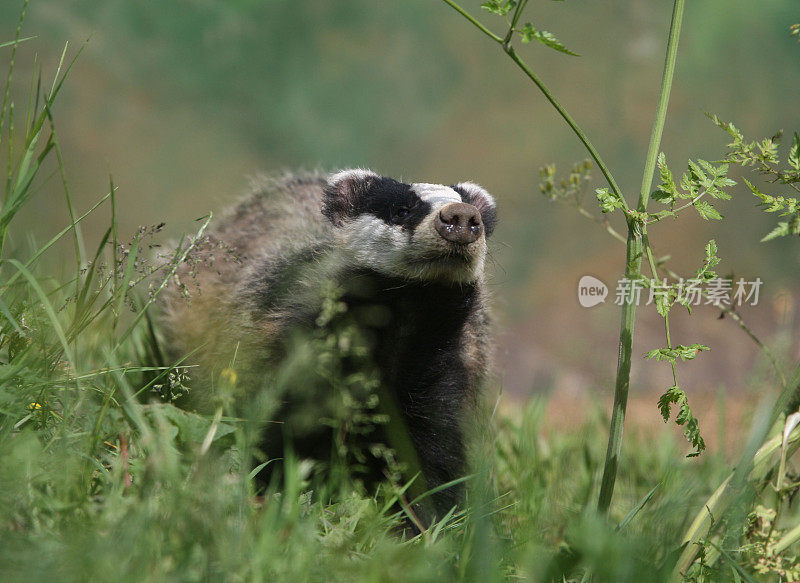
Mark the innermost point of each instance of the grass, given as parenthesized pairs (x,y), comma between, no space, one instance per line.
(103,478)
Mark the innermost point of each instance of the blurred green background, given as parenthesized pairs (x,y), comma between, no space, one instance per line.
(181,100)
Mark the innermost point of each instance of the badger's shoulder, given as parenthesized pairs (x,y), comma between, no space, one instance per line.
(275,220)
(274,210)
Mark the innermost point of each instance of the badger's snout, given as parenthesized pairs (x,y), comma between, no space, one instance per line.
(459,222)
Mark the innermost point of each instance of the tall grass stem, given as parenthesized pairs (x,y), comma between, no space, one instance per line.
(633,265)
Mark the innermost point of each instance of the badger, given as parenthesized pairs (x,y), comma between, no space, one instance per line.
(408,260)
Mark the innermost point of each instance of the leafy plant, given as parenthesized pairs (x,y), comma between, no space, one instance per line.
(700,187)
(763,157)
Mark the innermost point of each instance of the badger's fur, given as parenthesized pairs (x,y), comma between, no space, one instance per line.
(416,251)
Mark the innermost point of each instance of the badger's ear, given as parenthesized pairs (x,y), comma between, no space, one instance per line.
(344,192)
(478,197)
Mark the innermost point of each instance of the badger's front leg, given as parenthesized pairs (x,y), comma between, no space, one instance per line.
(434,411)
(427,359)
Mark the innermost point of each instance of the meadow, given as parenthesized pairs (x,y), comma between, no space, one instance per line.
(104,477)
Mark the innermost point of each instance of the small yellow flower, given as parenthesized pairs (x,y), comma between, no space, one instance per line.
(34,406)
(229,376)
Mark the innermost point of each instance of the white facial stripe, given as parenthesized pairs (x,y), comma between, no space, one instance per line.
(351,174)
(370,241)
(435,194)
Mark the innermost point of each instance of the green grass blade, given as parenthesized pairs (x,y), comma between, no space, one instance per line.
(122,288)
(16,42)
(114,240)
(4,109)
(76,236)
(636,509)
(35,257)
(178,259)
(7,313)
(80,301)
(51,313)
(733,564)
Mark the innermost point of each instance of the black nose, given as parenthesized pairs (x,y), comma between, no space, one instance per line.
(459,222)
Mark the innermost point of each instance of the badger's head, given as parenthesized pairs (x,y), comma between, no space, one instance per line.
(427,232)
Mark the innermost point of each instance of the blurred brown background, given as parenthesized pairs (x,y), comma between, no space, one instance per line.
(181,99)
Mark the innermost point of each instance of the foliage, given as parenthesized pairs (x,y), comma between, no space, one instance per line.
(700,559)
(570,187)
(499,7)
(701,179)
(760,536)
(530,33)
(609,201)
(762,155)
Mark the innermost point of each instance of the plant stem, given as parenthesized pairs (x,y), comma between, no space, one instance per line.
(514,19)
(634,243)
(474,21)
(727,310)
(509,50)
(632,270)
(654,270)
(609,229)
(570,122)
(663,101)
(677,210)
(633,262)
(7,91)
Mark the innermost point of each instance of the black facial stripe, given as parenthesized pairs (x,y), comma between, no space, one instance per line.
(384,197)
(417,214)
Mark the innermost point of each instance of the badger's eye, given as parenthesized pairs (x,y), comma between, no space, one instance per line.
(400,213)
